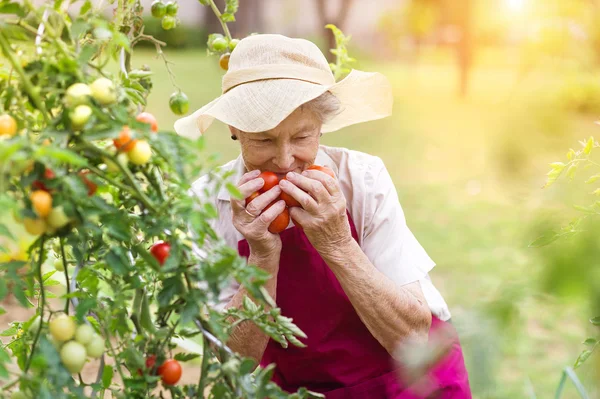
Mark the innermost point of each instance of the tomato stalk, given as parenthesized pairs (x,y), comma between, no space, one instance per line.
(38,270)
(64,259)
(203,368)
(26,83)
(223,24)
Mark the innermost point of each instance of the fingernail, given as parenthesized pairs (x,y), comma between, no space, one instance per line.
(291,175)
(284,183)
(255,172)
(305,173)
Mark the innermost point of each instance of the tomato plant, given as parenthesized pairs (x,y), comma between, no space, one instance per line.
(116,303)
(179,103)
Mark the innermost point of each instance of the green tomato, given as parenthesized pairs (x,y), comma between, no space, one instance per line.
(79,116)
(103,91)
(84,334)
(35,325)
(158,9)
(122,159)
(62,328)
(168,22)
(140,153)
(59,266)
(77,94)
(57,218)
(73,356)
(219,44)
(179,103)
(172,8)
(95,348)
(233,44)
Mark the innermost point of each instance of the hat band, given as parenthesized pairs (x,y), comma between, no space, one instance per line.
(277,71)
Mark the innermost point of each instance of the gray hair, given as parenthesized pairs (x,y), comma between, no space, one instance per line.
(326,106)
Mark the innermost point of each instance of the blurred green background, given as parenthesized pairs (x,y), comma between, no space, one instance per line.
(469,157)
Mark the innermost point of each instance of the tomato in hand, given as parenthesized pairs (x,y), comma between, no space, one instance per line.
(170,372)
(161,251)
(251,197)
(289,200)
(271,180)
(147,117)
(324,169)
(124,142)
(281,221)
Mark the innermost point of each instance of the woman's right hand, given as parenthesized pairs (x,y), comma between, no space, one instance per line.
(255,229)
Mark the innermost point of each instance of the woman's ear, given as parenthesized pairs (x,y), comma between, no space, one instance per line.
(234,133)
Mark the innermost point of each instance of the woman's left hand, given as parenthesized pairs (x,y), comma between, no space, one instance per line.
(323,213)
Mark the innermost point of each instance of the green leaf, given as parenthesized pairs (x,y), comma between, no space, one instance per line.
(590,342)
(249,305)
(595,321)
(5,232)
(582,358)
(545,239)
(233,190)
(592,179)
(588,146)
(190,311)
(117,261)
(226,17)
(86,54)
(61,155)
(87,6)
(107,375)
(186,357)
(84,306)
(9,332)
(12,8)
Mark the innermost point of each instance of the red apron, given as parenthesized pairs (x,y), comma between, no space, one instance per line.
(342,359)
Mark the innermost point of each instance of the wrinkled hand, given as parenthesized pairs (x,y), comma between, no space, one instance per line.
(323,213)
(255,229)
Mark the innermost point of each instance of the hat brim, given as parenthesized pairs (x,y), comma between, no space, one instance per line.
(262,105)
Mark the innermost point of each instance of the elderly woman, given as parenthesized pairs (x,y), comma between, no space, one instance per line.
(347,269)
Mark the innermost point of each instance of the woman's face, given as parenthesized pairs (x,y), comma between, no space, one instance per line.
(291,146)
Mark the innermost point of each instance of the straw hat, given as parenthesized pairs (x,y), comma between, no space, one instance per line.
(271,75)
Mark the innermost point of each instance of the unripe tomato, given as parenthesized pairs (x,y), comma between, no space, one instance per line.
(79,116)
(84,334)
(122,159)
(170,372)
(8,125)
(289,200)
(77,94)
(224,61)
(161,251)
(92,187)
(147,117)
(158,9)
(271,180)
(35,227)
(57,218)
(219,44)
(73,356)
(59,266)
(172,8)
(103,91)
(41,202)
(35,325)
(168,22)
(62,328)
(281,221)
(179,103)
(140,153)
(124,142)
(324,169)
(233,44)
(95,348)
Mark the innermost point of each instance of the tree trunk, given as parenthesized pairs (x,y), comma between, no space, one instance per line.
(338,19)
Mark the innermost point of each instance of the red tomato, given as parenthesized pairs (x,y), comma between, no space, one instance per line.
(251,197)
(92,187)
(322,169)
(38,185)
(271,180)
(147,117)
(49,174)
(289,200)
(150,362)
(281,221)
(124,142)
(170,372)
(161,251)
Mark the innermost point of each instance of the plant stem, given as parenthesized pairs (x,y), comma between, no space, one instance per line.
(43,298)
(24,81)
(112,181)
(218,14)
(65,264)
(203,368)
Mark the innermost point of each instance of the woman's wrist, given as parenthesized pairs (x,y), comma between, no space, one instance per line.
(265,259)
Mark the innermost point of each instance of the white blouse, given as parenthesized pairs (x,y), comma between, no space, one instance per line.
(373,204)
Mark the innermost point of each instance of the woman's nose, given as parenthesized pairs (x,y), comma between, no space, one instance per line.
(284,159)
